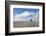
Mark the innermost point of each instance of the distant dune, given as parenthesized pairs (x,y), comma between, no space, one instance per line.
(25,24)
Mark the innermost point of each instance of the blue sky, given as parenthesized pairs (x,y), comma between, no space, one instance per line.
(24,14)
(21,10)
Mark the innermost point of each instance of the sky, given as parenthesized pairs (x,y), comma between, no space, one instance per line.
(25,14)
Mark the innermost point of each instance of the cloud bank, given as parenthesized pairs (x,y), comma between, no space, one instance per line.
(18,17)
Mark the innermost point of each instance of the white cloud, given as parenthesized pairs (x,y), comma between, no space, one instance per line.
(18,17)
(36,17)
(24,14)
